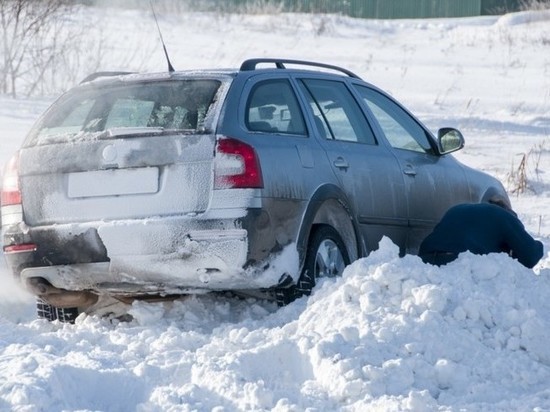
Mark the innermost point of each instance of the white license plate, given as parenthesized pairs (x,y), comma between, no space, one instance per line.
(113,182)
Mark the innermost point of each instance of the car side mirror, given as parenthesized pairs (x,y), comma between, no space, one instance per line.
(450,140)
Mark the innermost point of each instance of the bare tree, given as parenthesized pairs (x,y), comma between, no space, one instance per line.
(46,46)
(29,42)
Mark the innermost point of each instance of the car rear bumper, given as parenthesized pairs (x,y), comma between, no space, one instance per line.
(126,276)
(137,257)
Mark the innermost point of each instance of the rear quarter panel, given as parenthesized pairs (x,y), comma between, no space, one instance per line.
(293,168)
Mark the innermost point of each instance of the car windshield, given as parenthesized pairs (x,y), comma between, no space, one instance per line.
(130,109)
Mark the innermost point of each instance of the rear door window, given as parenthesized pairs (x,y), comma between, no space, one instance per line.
(337,114)
(272,107)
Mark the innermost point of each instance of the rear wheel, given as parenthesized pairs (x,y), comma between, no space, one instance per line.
(326,256)
(46,311)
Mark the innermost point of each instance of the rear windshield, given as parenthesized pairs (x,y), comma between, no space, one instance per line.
(130,109)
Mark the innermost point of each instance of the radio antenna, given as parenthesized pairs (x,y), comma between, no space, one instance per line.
(170,67)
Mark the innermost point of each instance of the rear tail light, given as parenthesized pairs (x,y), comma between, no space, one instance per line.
(12,210)
(236,165)
(11,195)
(25,247)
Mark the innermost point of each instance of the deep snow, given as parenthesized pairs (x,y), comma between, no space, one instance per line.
(392,333)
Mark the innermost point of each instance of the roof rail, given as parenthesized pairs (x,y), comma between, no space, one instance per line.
(250,64)
(97,75)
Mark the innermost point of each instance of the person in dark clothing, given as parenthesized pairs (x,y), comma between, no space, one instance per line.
(480,228)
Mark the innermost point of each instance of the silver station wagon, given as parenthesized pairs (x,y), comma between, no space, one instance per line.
(256,180)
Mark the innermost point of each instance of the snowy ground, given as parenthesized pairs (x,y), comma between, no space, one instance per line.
(392,333)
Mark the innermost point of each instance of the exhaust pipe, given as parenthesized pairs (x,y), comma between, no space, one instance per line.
(60,298)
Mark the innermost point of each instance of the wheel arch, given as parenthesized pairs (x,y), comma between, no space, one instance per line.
(330,206)
(495,195)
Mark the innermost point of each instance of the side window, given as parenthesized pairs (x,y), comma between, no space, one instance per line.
(272,107)
(401,130)
(336,113)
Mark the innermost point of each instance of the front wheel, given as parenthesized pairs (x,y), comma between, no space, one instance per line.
(326,256)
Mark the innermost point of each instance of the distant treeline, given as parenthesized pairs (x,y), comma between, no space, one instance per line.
(379,9)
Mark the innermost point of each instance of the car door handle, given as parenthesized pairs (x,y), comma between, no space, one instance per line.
(409,170)
(340,163)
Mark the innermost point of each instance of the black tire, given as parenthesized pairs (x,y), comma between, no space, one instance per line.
(326,256)
(46,311)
